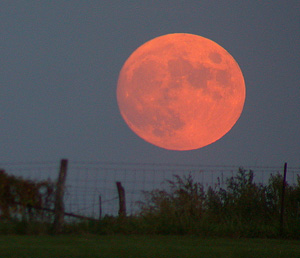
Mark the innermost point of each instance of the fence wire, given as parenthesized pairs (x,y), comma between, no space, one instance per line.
(91,186)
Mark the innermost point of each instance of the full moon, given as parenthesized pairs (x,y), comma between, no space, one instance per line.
(181,91)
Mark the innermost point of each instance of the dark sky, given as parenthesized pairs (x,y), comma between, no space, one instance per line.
(60,62)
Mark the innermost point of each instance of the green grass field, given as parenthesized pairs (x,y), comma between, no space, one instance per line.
(121,246)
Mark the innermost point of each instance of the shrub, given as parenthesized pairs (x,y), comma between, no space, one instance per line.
(241,208)
(24,199)
(177,210)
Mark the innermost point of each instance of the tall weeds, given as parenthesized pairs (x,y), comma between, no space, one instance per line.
(241,208)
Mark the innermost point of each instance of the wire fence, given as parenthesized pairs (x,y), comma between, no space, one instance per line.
(91,186)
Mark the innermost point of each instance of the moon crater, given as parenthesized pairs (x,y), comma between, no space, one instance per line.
(215,57)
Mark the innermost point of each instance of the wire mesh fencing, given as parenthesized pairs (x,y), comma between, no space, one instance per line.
(91,189)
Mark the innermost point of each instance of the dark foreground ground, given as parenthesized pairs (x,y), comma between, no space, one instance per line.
(140,246)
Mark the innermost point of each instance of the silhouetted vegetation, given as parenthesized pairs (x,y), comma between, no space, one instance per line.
(238,208)
(241,208)
(24,200)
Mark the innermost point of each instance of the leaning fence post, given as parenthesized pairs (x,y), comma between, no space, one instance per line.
(282,199)
(122,204)
(59,195)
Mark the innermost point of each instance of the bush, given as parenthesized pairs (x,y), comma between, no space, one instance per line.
(177,210)
(22,199)
(242,208)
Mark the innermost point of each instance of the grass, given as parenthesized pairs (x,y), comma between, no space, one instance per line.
(12,246)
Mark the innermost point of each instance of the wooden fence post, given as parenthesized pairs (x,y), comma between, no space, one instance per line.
(122,204)
(59,196)
(100,207)
(282,200)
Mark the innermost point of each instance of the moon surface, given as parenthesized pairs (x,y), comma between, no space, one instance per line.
(181,91)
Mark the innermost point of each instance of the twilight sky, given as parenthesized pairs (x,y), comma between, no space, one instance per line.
(60,62)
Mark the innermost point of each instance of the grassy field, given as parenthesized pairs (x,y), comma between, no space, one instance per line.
(144,246)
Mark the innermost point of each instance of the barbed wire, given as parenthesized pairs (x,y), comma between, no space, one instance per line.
(138,164)
(106,164)
(28,163)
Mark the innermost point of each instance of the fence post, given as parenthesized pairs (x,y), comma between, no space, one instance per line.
(100,207)
(59,195)
(122,204)
(282,200)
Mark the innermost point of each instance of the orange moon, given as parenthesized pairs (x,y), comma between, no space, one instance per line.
(181,91)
